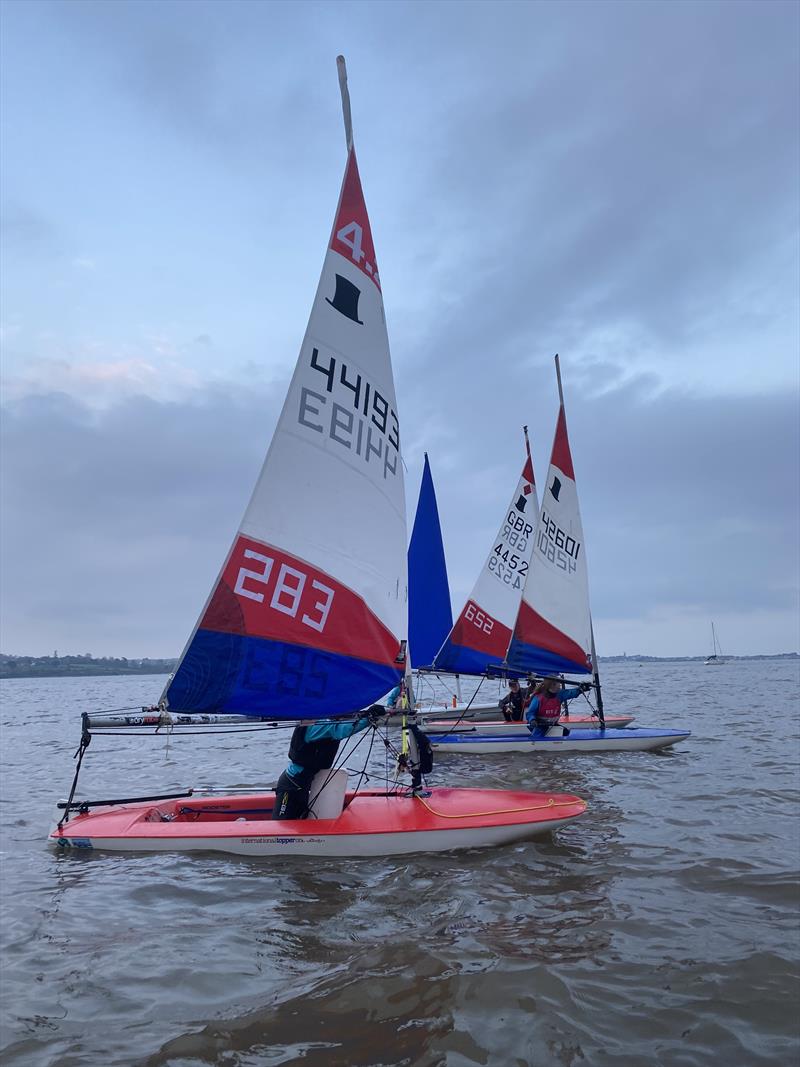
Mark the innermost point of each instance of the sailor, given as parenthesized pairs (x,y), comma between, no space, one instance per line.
(544,709)
(513,703)
(313,748)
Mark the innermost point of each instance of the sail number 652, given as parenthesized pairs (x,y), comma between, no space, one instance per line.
(287,592)
(478,618)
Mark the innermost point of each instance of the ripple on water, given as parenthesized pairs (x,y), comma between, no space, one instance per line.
(660,928)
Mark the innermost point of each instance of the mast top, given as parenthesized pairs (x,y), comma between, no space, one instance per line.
(341,66)
(527,442)
(558,376)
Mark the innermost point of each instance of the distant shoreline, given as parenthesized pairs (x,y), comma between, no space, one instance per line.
(80,666)
(86,673)
(83,667)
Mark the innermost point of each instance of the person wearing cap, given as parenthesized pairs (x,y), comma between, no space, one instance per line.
(513,703)
(544,709)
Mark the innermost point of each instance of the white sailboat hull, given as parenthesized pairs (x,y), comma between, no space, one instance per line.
(578,741)
(455,711)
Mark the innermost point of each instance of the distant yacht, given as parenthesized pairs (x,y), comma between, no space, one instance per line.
(716,658)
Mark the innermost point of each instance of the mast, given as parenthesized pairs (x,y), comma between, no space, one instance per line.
(596,676)
(341,67)
(595,665)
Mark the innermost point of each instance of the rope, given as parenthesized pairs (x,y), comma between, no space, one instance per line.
(501,811)
(469,704)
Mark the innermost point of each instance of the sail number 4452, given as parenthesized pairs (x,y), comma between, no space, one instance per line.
(289,592)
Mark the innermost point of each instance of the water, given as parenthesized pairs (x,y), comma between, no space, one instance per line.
(660,928)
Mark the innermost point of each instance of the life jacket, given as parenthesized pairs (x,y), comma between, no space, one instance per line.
(549,709)
(312,755)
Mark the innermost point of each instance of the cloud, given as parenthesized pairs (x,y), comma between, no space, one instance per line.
(116,520)
(617,182)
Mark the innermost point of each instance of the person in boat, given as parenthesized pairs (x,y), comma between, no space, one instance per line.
(513,703)
(313,748)
(544,709)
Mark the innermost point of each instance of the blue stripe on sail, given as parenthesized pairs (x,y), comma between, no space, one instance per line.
(430,616)
(524,657)
(462,660)
(232,673)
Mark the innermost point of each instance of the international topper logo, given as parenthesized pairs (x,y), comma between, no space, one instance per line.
(555,488)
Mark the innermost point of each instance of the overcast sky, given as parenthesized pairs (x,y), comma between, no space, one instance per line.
(615,182)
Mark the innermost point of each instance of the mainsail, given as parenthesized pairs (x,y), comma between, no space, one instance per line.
(553,632)
(481,635)
(430,616)
(308,615)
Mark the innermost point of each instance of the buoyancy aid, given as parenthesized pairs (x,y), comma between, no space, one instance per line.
(549,709)
(312,755)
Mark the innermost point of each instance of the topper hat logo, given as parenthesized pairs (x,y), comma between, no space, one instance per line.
(345,299)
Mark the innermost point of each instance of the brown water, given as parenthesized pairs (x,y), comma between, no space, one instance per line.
(662,928)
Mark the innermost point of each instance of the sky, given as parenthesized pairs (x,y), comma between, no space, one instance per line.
(616,182)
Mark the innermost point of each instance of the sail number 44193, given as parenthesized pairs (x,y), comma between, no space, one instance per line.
(289,592)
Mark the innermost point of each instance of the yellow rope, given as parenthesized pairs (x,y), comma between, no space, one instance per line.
(503,811)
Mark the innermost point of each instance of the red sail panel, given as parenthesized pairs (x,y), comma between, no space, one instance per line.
(562,457)
(476,629)
(352,236)
(533,629)
(265,592)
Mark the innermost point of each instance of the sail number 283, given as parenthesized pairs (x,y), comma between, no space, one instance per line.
(288,591)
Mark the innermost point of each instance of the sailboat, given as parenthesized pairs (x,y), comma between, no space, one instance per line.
(307,618)
(716,659)
(477,644)
(553,632)
(478,641)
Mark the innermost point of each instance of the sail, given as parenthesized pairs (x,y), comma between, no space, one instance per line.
(553,632)
(307,616)
(430,616)
(481,635)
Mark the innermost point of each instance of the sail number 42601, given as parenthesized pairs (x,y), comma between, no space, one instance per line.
(289,591)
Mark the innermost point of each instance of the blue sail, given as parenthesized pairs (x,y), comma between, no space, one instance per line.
(430,617)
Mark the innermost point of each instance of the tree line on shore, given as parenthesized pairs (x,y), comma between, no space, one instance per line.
(86,664)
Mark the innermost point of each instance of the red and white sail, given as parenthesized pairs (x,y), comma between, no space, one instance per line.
(309,612)
(553,631)
(482,632)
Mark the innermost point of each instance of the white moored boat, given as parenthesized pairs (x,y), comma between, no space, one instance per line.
(716,659)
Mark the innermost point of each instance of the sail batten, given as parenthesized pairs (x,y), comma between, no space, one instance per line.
(308,616)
